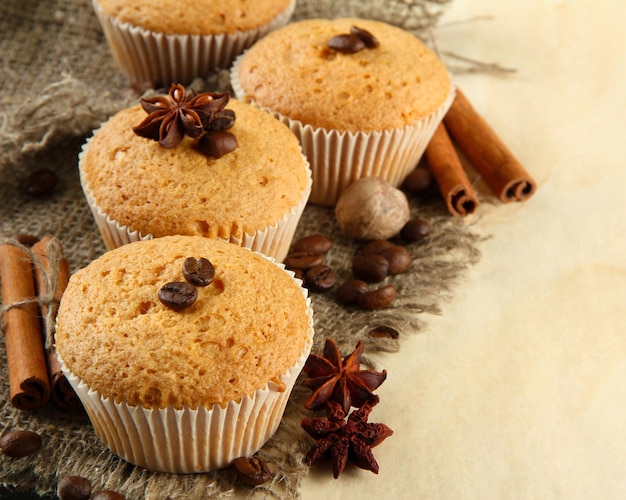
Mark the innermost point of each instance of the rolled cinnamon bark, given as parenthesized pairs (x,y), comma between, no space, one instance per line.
(499,168)
(28,376)
(449,175)
(53,271)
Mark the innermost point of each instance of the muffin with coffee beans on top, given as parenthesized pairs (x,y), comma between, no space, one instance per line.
(183,349)
(364,97)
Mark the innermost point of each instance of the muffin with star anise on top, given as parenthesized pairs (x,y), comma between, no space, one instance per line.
(196,164)
(179,40)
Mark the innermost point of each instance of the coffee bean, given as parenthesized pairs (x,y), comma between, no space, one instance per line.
(199,272)
(39,182)
(349,291)
(314,243)
(178,295)
(74,488)
(418,180)
(108,495)
(370,267)
(223,120)
(415,230)
(252,471)
(376,246)
(384,332)
(19,444)
(399,259)
(303,260)
(370,41)
(320,278)
(346,44)
(216,144)
(376,299)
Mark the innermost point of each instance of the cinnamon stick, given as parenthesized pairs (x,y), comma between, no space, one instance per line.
(53,273)
(28,376)
(449,175)
(499,168)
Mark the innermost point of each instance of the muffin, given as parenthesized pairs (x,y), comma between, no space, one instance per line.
(183,389)
(364,97)
(176,41)
(252,196)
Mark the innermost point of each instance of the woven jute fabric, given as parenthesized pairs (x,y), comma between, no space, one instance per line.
(59,82)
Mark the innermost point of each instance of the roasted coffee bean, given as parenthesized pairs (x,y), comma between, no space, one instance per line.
(39,182)
(74,488)
(28,240)
(320,278)
(346,44)
(415,230)
(384,332)
(303,260)
(399,259)
(370,41)
(199,272)
(376,246)
(370,267)
(178,295)
(418,181)
(19,444)
(216,144)
(223,120)
(252,471)
(314,243)
(349,291)
(108,495)
(376,299)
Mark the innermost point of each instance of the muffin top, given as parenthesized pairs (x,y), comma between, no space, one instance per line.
(245,329)
(294,72)
(199,17)
(160,191)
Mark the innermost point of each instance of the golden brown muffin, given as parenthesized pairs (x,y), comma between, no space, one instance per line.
(245,329)
(293,72)
(158,191)
(199,17)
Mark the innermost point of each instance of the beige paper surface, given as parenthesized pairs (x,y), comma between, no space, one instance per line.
(518,391)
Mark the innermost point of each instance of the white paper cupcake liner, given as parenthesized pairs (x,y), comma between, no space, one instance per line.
(191,440)
(148,56)
(339,158)
(273,241)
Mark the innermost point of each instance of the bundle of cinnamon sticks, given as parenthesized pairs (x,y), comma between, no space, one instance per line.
(496,164)
(33,281)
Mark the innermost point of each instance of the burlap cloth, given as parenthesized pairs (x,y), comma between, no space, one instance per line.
(58,82)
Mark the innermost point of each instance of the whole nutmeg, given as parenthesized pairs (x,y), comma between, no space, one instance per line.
(372,209)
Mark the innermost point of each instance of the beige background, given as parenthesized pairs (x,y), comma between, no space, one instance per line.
(518,390)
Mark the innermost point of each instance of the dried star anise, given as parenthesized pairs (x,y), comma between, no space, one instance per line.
(340,381)
(171,116)
(342,440)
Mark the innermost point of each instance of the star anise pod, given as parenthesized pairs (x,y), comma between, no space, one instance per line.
(340,381)
(172,116)
(342,440)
